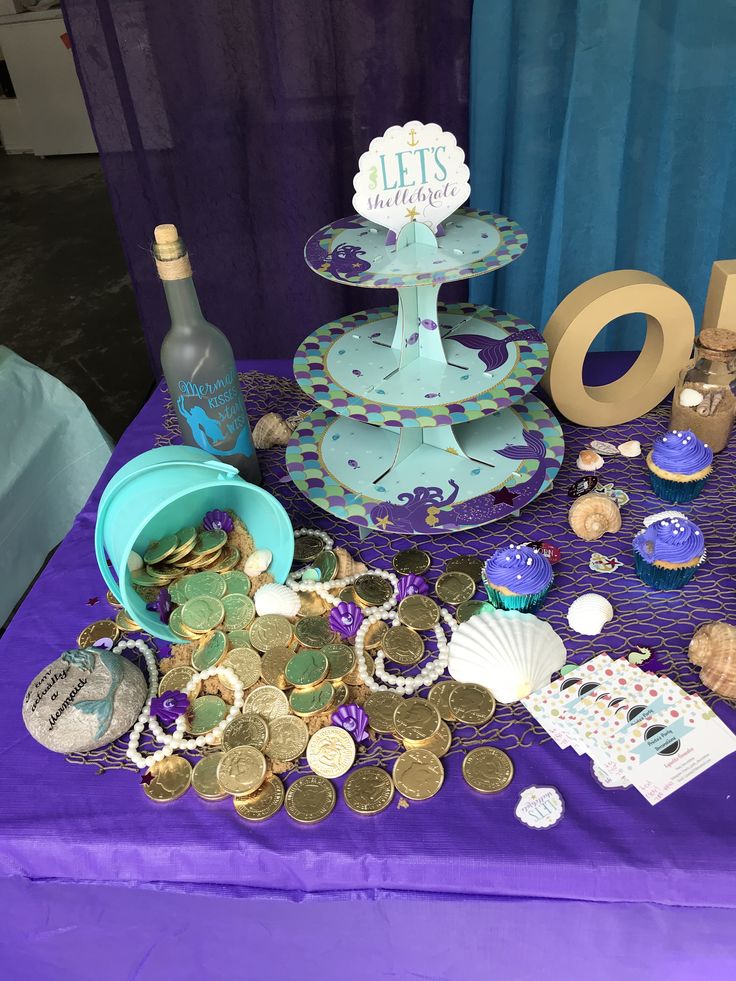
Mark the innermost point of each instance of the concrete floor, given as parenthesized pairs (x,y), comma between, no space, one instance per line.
(66,302)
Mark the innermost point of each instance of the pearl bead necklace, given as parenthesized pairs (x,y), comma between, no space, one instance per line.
(316,533)
(178,739)
(403,685)
(323,589)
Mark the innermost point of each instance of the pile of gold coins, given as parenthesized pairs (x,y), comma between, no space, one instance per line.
(188,550)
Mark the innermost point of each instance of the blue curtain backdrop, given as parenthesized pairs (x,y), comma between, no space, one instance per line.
(607,129)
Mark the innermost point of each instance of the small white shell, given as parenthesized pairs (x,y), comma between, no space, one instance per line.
(690,397)
(589,460)
(589,614)
(274,598)
(135,562)
(630,448)
(257,562)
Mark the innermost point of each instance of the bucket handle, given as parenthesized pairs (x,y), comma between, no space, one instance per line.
(225,472)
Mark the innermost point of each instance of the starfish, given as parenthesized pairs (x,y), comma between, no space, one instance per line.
(411,213)
(504,496)
(383,522)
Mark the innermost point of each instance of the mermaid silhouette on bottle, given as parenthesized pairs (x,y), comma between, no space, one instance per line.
(207,432)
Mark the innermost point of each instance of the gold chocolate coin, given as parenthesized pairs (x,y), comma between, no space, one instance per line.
(246,663)
(314,632)
(469,609)
(439,696)
(380,707)
(471,565)
(340,659)
(312,605)
(354,677)
(326,565)
(331,752)
(241,770)
(306,702)
(264,803)
(273,665)
(368,790)
(488,769)
(413,560)
(418,774)
(158,551)
(177,680)
(228,559)
(438,744)
(374,635)
(99,630)
(419,612)
(239,611)
(472,704)
(126,624)
(288,738)
(171,779)
(416,718)
(403,646)
(204,584)
(266,701)
(239,638)
(372,590)
(177,591)
(246,730)
(210,651)
(272,630)
(141,577)
(310,799)
(205,713)
(236,582)
(204,778)
(341,694)
(307,548)
(209,541)
(306,669)
(347,595)
(202,613)
(455,587)
(113,600)
(177,627)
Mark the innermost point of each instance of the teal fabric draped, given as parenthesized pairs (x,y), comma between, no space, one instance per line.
(607,130)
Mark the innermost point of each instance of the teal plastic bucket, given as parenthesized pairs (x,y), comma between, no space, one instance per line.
(166,489)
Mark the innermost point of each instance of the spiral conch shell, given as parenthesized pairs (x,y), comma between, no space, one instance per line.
(593,515)
(271,430)
(713,647)
(347,565)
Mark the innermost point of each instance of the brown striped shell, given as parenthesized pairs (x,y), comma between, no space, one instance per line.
(594,515)
(713,647)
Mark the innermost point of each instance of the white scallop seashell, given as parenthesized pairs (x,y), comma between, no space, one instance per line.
(274,598)
(690,397)
(631,448)
(589,460)
(135,562)
(510,653)
(589,614)
(257,562)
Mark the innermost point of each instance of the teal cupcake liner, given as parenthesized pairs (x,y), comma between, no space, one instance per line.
(676,491)
(524,602)
(659,578)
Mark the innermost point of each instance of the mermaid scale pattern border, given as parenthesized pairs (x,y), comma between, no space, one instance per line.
(663,621)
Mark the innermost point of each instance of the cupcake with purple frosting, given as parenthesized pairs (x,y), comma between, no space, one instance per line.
(517,578)
(668,550)
(679,465)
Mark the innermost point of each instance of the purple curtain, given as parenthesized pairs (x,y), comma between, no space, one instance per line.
(242,121)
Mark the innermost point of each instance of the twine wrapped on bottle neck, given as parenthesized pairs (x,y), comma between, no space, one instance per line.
(169,251)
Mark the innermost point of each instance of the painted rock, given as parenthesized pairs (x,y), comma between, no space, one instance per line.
(84,699)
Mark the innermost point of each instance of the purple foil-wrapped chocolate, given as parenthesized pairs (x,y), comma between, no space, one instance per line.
(412,585)
(217,520)
(353,719)
(169,706)
(345,619)
(163,605)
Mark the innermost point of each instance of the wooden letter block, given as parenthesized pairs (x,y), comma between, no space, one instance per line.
(720,303)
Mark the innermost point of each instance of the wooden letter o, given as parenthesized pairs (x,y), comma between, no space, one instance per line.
(584,313)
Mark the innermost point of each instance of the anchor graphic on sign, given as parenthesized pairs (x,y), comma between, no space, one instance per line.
(412,141)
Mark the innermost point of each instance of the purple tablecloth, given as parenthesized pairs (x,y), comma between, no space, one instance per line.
(96,880)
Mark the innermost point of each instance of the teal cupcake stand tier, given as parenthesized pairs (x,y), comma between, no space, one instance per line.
(427,423)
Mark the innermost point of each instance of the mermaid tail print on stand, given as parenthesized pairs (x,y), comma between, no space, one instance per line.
(207,431)
(492,351)
(100,708)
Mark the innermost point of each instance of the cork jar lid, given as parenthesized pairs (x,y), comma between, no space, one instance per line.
(718,340)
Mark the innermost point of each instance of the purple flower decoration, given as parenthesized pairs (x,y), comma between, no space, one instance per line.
(353,719)
(412,585)
(217,520)
(345,619)
(169,706)
(163,605)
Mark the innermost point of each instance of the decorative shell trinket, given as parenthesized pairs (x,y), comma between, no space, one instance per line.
(713,647)
(510,653)
(271,430)
(347,565)
(275,598)
(631,448)
(603,447)
(690,397)
(593,516)
(257,562)
(589,460)
(589,614)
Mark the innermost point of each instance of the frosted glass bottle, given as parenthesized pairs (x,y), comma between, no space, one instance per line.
(199,367)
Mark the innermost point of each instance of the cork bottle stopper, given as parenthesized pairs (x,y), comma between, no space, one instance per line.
(165,234)
(716,339)
(170,253)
